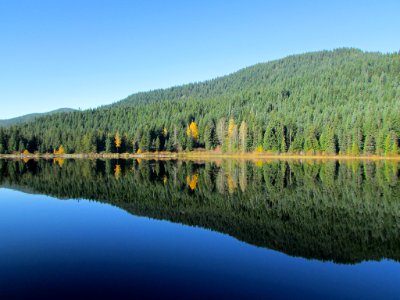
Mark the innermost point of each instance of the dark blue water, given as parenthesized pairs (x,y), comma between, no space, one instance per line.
(80,249)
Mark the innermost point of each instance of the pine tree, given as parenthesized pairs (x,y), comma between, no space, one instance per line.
(271,143)
(379,145)
(209,132)
(327,141)
(157,144)
(145,141)
(298,143)
(175,140)
(134,146)
(221,131)
(369,145)
(355,149)
(12,143)
(243,138)
(109,145)
(391,144)
(311,145)
(257,139)
(189,144)
(88,144)
(283,146)
(2,142)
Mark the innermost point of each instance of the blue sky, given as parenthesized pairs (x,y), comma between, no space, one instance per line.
(82,54)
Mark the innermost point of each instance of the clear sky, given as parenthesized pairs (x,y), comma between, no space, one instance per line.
(84,53)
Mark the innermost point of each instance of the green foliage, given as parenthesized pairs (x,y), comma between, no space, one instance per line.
(311,145)
(328,141)
(209,136)
(355,149)
(369,145)
(298,144)
(145,141)
(157,144)
(270,142)
(109,144)
(243,137)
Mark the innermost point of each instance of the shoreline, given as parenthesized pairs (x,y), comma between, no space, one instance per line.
(198,155)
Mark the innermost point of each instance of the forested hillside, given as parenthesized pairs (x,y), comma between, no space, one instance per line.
(344,101)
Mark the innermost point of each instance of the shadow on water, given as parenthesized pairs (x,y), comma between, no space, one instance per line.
(345,212)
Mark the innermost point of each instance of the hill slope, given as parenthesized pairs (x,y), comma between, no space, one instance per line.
(31,117)
(343,101)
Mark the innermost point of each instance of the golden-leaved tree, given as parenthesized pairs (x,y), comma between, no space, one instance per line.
(60,150)
(193,131)
(117,141)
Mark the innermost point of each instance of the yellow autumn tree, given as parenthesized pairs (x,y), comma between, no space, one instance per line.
(117,141)
(193,131)
(60,150)
(233,136)
(231,127)
(26,152)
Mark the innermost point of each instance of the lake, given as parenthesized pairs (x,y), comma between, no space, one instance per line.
(119,229)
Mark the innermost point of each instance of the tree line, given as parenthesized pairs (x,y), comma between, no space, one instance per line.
(331,102)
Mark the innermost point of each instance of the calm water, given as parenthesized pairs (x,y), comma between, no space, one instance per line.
(229,229)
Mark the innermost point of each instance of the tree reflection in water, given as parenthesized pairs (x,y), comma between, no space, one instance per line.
(344,212)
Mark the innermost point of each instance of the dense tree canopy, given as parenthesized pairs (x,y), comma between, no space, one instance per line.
(344,101)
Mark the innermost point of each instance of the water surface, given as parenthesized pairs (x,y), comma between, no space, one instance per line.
(94,229)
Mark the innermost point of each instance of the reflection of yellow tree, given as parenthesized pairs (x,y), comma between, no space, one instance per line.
(259,163)
(192,181)
(231,184)
(117,171)
(232,173)
(59,161)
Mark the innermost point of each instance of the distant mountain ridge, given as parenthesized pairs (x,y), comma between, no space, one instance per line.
(31,117)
